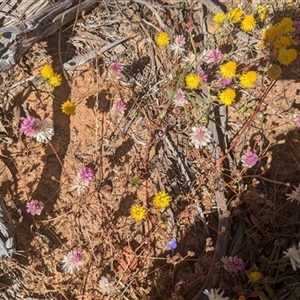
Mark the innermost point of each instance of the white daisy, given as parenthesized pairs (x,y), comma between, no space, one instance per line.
(295,195)
(44,131)
(106,286)
(294,255)
(213,294)
(41,130)
(178,46)
(82,180)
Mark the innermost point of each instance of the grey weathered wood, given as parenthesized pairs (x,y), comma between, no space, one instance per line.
(7,236)
(18,38)
(217,126)
(82,59)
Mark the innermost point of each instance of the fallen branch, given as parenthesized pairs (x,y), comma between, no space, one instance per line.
(18,39)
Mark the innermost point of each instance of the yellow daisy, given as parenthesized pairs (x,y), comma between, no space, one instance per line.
(248,79)
(218,19)
(46,71)
(161,200)
(255,276)
(270,34)
(236,14)
(228,69)
(55,79)
(274,72)
(227,96)
(282,42)
(68,107)
(286,26)
(192,81)
(138,212)
(286,56)
(248,23)
(163,39)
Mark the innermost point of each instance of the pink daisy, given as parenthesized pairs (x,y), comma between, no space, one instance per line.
(34,207)
(73,261)
(249,159)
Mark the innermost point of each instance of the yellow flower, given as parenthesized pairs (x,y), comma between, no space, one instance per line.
(248,79)
(242,297)
(271,33)
(192,81)
(55,79)
(46,71)
(68,107)
(255,276)
(228,69)
(227,96)
(218,19)
(235,15)
(274,72)
(248,23)
(162,39)
(282,42)
(286,56)
(138,212)
(161,200)
(286,26)
(262,12)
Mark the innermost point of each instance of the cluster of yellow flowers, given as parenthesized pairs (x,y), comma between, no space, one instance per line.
(52,77)
(246,80)
(279,40)
(236,15)
(228,71)
(55,79)
(262,12)
(161,200)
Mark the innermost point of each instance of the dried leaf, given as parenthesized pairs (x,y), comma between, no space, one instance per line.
(152,152)
(254,220)
(128,263)
(5,174)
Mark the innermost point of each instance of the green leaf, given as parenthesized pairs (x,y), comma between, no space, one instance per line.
(171,95)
